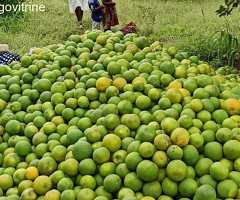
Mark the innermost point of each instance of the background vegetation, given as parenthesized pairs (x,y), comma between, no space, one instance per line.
(192,25)
(12,2)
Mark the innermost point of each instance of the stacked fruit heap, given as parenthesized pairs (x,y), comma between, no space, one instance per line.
(107,116)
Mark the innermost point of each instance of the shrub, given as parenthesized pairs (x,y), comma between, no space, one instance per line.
(8,20)
(221,48)
(11,2)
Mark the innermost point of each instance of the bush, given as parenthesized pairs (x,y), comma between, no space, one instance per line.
(8,20)
(221,48)
(11,2)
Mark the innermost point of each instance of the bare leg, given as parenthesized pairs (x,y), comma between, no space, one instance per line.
(79,14)
(107,28)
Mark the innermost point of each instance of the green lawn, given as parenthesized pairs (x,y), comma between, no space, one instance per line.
(180,23)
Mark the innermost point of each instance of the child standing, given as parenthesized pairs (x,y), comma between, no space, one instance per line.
(110,14)
(97,13)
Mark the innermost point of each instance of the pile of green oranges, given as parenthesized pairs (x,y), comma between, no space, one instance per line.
(106,116)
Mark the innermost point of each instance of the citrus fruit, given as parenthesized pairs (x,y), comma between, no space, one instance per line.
(169,187)
(205,191)
(82,150)
(146,133)
(143,102)
(218,171)
(180,137)
(47,165)
(52,194)
(6,181)
(87,166)
(112,142)
(86,194)
(207,179)
(214,151)
(202,166)
(42,184)
(169,124)
(223,134)
(152,189)
(162,141)
(190,155)
(133,182)
(23,148)
(101,155)
(231,149)
(219,115)
(70,167)
(174,152)
(13,127)
(103,83)
(146,149)
(160,158)
(147,170)
(28,193)
(31,173)
(132,160)
(176,170)
(132,121)
(112,183)
(227,189)
(88,181)
(188,187)
(64,184)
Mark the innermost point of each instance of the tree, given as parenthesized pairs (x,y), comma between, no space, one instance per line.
(227,8)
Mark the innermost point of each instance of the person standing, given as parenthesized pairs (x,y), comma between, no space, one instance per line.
(97,13)
(78,7)
(110,14)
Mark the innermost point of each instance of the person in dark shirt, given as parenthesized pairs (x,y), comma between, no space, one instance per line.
(97,13)
(5,56)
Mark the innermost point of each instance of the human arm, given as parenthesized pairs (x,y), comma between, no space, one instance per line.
(99,7)
(109,3)
(4,47)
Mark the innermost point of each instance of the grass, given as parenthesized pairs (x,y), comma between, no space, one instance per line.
(181,23)
(39,29)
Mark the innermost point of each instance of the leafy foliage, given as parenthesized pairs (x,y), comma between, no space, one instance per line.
(227,46)
(225,10)
(221,48)
(10,2)
(7,19)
